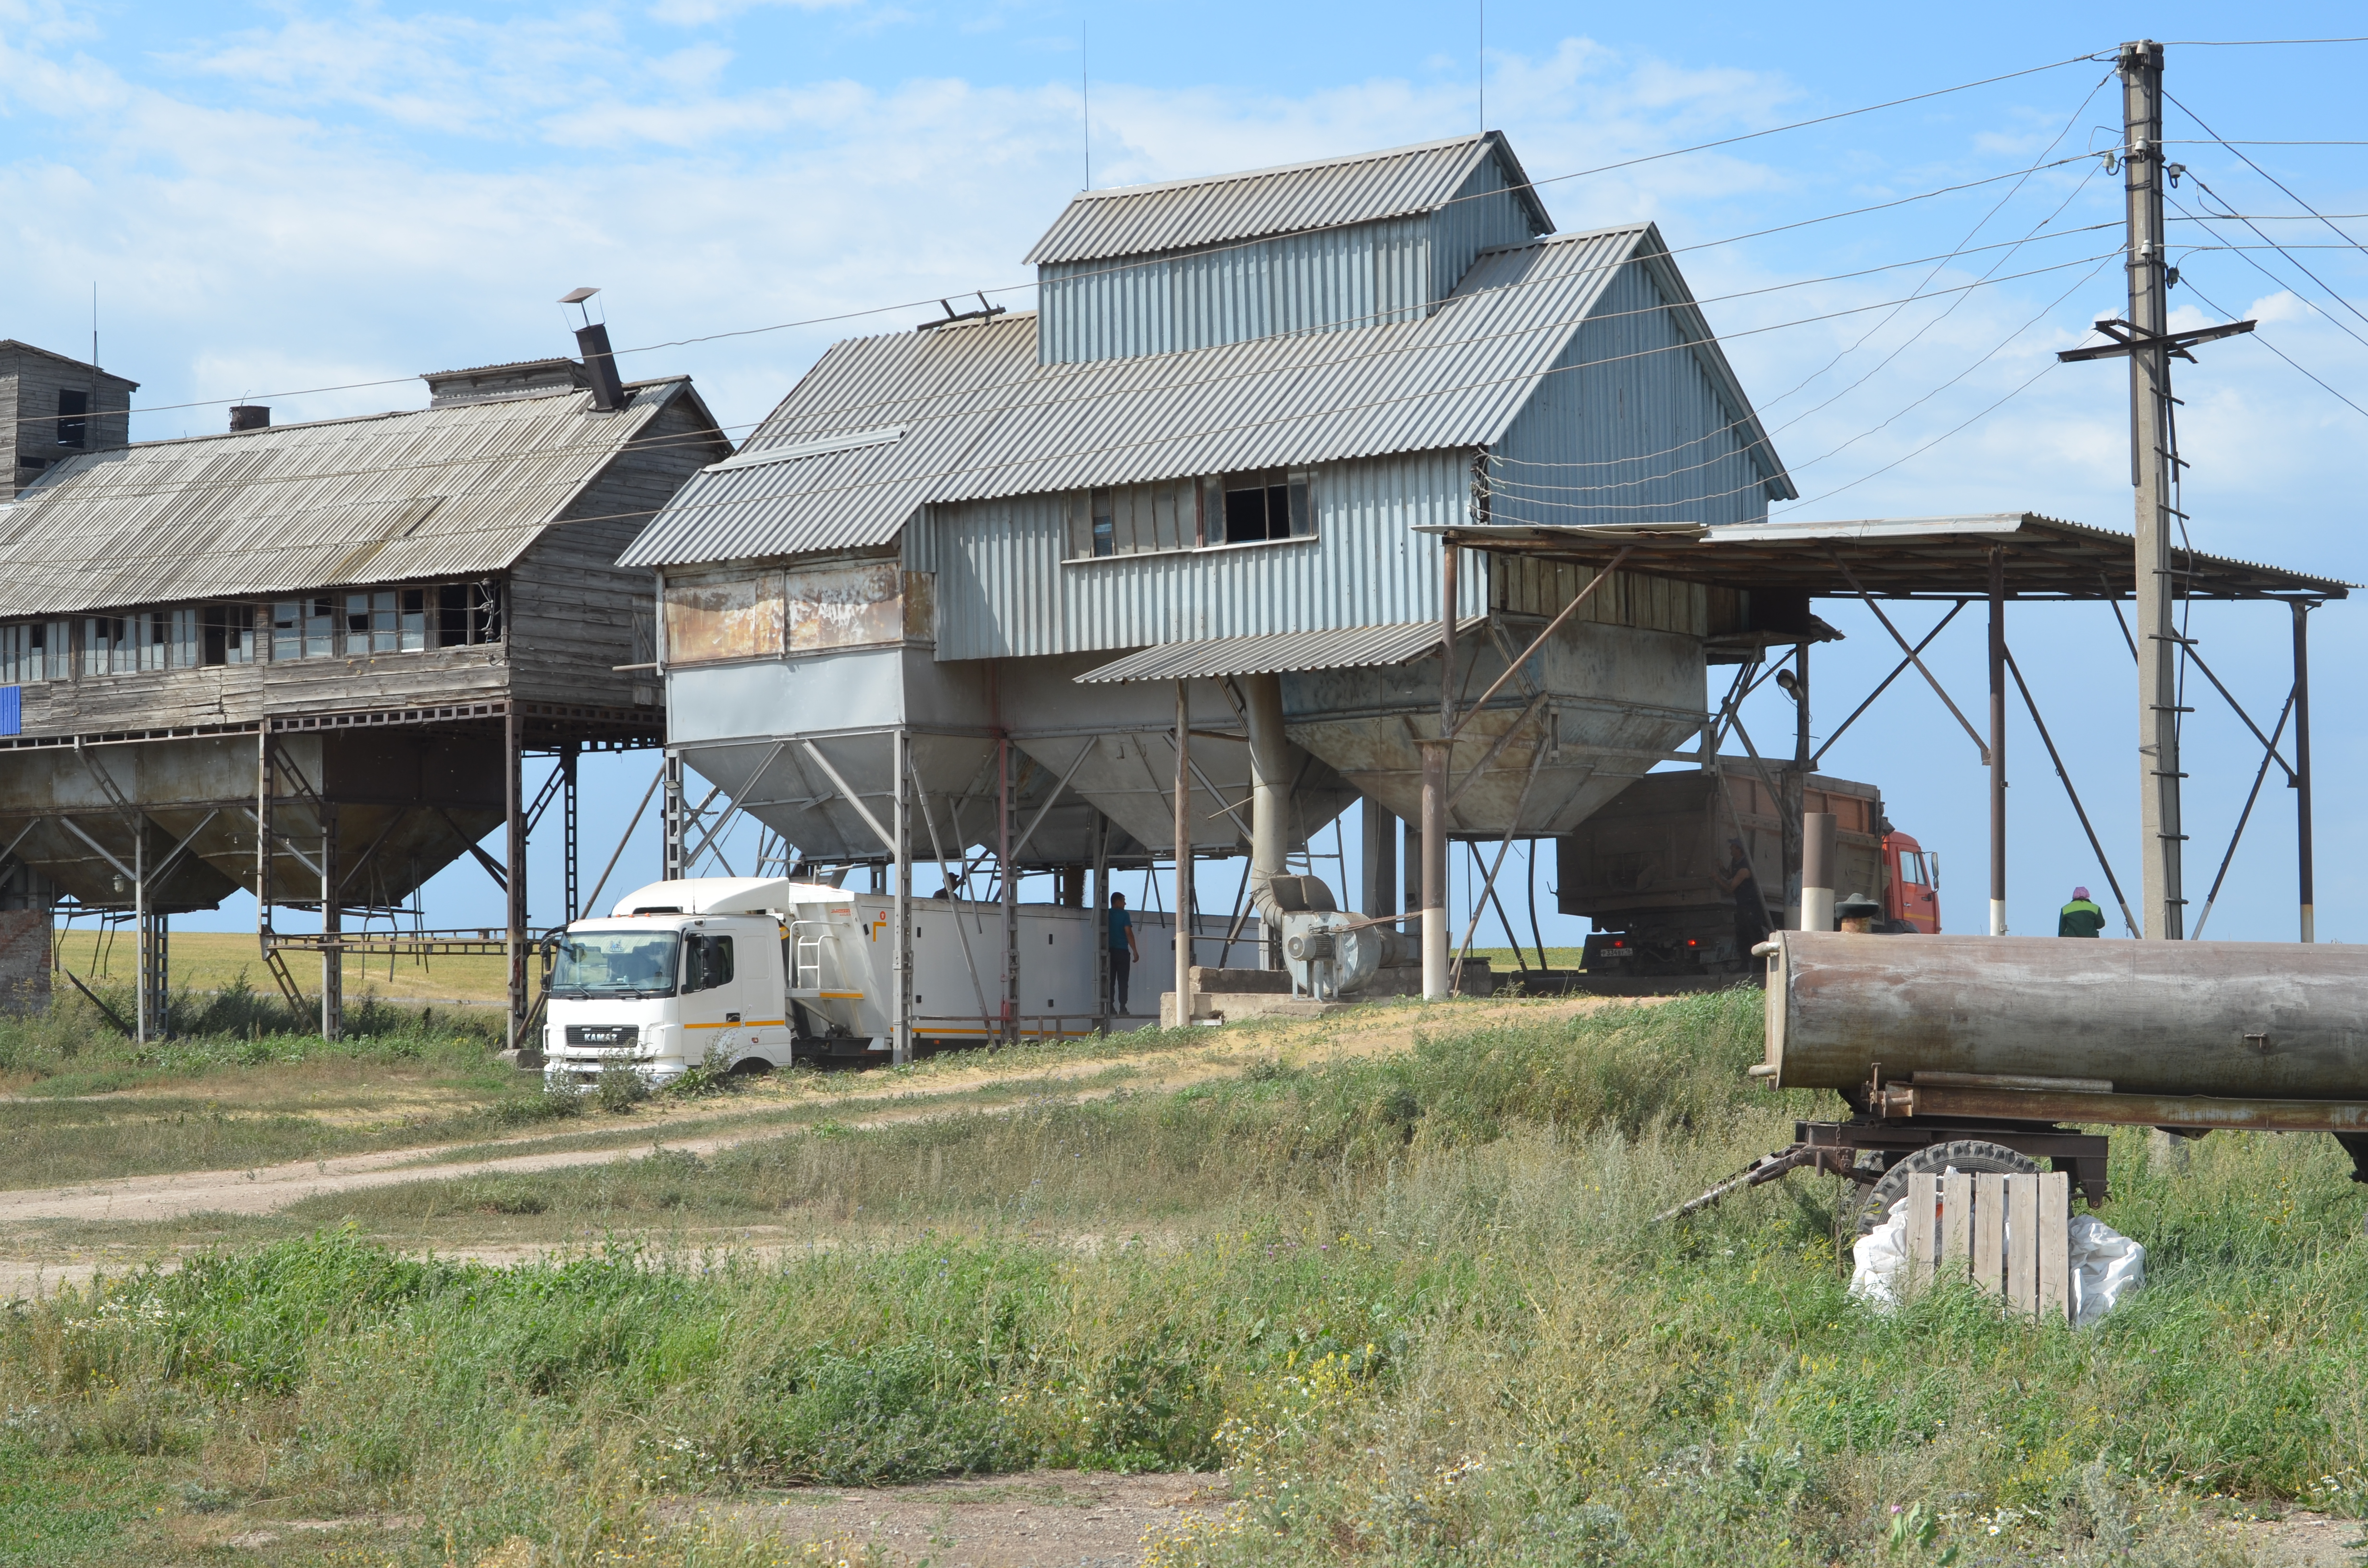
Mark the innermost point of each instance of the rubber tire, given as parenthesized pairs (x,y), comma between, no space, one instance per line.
(751,1067)
(1865,1208)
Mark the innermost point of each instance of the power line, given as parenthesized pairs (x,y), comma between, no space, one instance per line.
(2280,352)
(1014,287)
(2282,186)
(1294,416)
(1102,393)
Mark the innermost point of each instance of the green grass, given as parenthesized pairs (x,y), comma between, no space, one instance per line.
(1411,1305)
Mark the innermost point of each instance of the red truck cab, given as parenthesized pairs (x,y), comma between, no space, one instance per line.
(1911,888)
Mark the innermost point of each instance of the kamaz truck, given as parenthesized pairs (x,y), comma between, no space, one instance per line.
(1647,869)
(754,974)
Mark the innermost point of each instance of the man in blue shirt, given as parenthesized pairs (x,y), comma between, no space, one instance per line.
(1124,952)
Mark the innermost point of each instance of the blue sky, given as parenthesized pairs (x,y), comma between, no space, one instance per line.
(297,196)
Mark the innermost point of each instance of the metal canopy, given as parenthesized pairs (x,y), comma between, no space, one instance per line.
(1948,558)
(1348,647)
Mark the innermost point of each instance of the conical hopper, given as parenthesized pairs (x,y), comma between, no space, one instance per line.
(1593,711)
(409,802)
(1116,743)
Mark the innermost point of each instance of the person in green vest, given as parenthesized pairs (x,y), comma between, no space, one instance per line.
(2081,917)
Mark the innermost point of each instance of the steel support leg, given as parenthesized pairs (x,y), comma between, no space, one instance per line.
(2303,872)
(1998,743)
(513,864)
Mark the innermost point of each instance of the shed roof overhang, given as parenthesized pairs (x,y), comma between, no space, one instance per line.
(1936,557)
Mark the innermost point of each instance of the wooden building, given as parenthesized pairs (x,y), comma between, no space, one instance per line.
(308,660)
(55,408)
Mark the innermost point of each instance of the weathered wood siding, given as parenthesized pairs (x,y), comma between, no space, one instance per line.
(572,608)
(29,383)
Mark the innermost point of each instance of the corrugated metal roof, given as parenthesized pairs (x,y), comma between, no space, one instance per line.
(1939,556)
(1345,648)
(388,497)
(984,420)
(1141,219)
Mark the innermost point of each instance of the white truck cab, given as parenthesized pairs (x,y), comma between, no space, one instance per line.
(757,972)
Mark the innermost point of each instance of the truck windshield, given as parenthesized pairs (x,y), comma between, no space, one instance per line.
(615,963)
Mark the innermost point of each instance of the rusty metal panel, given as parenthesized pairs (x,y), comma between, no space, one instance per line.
(737,617)
(845,607)
(2235,1019)
(1133,221)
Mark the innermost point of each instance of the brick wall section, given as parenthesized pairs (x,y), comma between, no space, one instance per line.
(24,960)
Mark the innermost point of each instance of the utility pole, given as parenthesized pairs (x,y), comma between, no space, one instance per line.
(2149,315)
(2144,338)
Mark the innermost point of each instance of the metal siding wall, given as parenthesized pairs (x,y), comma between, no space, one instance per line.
(1486,215)
(1003,591)
(1639,431)
(1361,275)
(918,543)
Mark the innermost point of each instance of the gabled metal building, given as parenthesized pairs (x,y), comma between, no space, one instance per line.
(1207,459)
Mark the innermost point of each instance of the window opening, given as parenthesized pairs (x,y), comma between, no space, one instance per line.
(411,631)
(371,622)
(73,422)
(1266,505)
(34,651)
(229,635)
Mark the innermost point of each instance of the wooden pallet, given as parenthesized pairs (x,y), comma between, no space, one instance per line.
(1972,1227)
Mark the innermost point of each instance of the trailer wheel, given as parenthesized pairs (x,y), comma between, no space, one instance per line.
(1863,1208)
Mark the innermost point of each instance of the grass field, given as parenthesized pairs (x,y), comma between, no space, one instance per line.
(205,962)
(1391,1280)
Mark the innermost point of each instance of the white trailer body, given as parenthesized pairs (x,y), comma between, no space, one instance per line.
(746,970)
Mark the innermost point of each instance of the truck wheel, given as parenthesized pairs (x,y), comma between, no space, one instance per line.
(750,1067)
(1864,1207)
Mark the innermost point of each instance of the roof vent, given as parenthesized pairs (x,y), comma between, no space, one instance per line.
(249,416)
(599,359)
(498,384)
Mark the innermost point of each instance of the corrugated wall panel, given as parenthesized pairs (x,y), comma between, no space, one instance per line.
(1367,275)
(1002,590)
(1629,428)
(1486,215)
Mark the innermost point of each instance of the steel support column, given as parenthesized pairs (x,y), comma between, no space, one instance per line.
(1435,757)
(1101,923)
(670,847)
(514,874)
(333,954)
(1998,743)
(1379,876)
(1006,815)
(901,960)
(1183,855)
(2303,877)
(571,824)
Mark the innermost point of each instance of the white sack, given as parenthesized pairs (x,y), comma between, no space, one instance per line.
(2104,1265)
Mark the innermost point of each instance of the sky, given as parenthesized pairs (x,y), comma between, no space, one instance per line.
(309,205)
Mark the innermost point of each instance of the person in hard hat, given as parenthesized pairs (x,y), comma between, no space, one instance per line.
(1858,913)
(2081,917)
(1750,911)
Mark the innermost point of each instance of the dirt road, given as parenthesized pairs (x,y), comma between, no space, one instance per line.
(875,1103)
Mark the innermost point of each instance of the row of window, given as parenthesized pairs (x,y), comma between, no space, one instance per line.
(1233,509)
(322,626)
